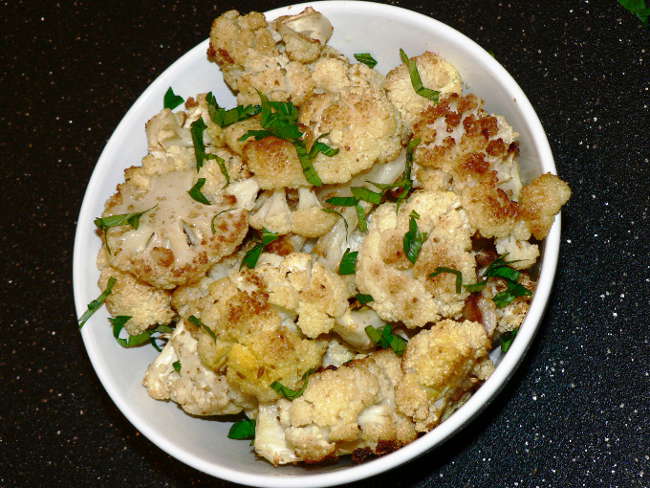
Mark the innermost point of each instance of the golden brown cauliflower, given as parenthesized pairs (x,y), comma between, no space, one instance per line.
(436,73)
(272,58)
(178,238)
(442,366)
(403,291)
(197,389)
(349,410)
(147,306)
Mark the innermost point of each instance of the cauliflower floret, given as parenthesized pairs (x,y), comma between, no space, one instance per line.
(540,200)
(405,292)
(337,353)
(436,73)
(307,220)
(346,410)
(521,253)
(272,59)
(146,305)
(351,326)
(512,315)
(197,389)
(178,238)
(440,366)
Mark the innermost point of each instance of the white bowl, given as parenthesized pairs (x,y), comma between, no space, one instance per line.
(359,27)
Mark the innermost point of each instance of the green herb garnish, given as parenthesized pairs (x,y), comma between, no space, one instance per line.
(400,190)
(131,341)
(366,58)
(171,100)
(177,366)
(342,201)
(361,193)
(363,299)
(499,269)
(361,218)
(507,296)
(242,430)
(197,322)
(251,257)
(132,219)
(287,392)
(459,276)
(413,239)
(348,264)
(224,118)
(161,329)
(385,338)
(212,227)
(196,129)
(476,287)
(507,338)
(638,8)
(416,81)
(195,192)
(97,303)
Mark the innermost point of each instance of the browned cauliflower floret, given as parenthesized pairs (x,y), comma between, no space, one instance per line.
(146,305)
(346,410)
(540,200)
(273,59)
(403,291)
(307,219)
(441,366)
(197,389)
(436,73)
(178,238)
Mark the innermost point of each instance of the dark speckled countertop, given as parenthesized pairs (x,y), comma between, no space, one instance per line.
(575,414)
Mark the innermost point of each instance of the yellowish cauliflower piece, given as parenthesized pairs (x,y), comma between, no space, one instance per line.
(346,410)
(403,291)
(436,73)
(440,366)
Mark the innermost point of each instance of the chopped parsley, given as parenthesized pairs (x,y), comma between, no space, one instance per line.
(367,59)
(413,239)
(132,219)
(212,227)
(197,321)
(514,290)
(362,223)
(401,189)
(154,335)
(195,192)
(348,264)
(224,118)
(97,303)
(287,392)
(361,193)
(171,100)
(363,299)
(120,321)
(638,8)
(242,430)
(507,339)
(342,201)
(499,269)
(196,129)
(459,276)
(416,81)
(253,254)
(385,338)
(177,366)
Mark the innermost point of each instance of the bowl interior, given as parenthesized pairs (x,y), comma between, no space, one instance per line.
(359,27)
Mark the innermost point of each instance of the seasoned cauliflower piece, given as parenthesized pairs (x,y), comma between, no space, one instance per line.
(403,291)
(351,326)
(197,389)
(521,253)
(147,306)
(346,410)
(273,59)
(307,219)
(178,238)
(440,366)
(540,200)
(436,73)
(337,353)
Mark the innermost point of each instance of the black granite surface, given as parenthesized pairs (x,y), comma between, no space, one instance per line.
(576,413)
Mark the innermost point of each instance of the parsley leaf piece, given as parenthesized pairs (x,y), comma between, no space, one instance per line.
(97,303)
(132,219)
(212,227)
(361,218)
(242,430)
(638,8)
(197,321)
(367,59)
(307,163)
(225,117)
(342,201)
(251,257)
(257,134)
(363,299)
(131,341)
(348,264)
(161,329)
(177,366)
(505,272)
(459,276)
(507,296)
(416,81)
(507,339)
(196,129)
(171,100)
(413,239)
(366,195)
(195,192)
(280,118)
(345,222)
(287,392)
(321,147)
(475,287)
(385,338)
(222,167)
